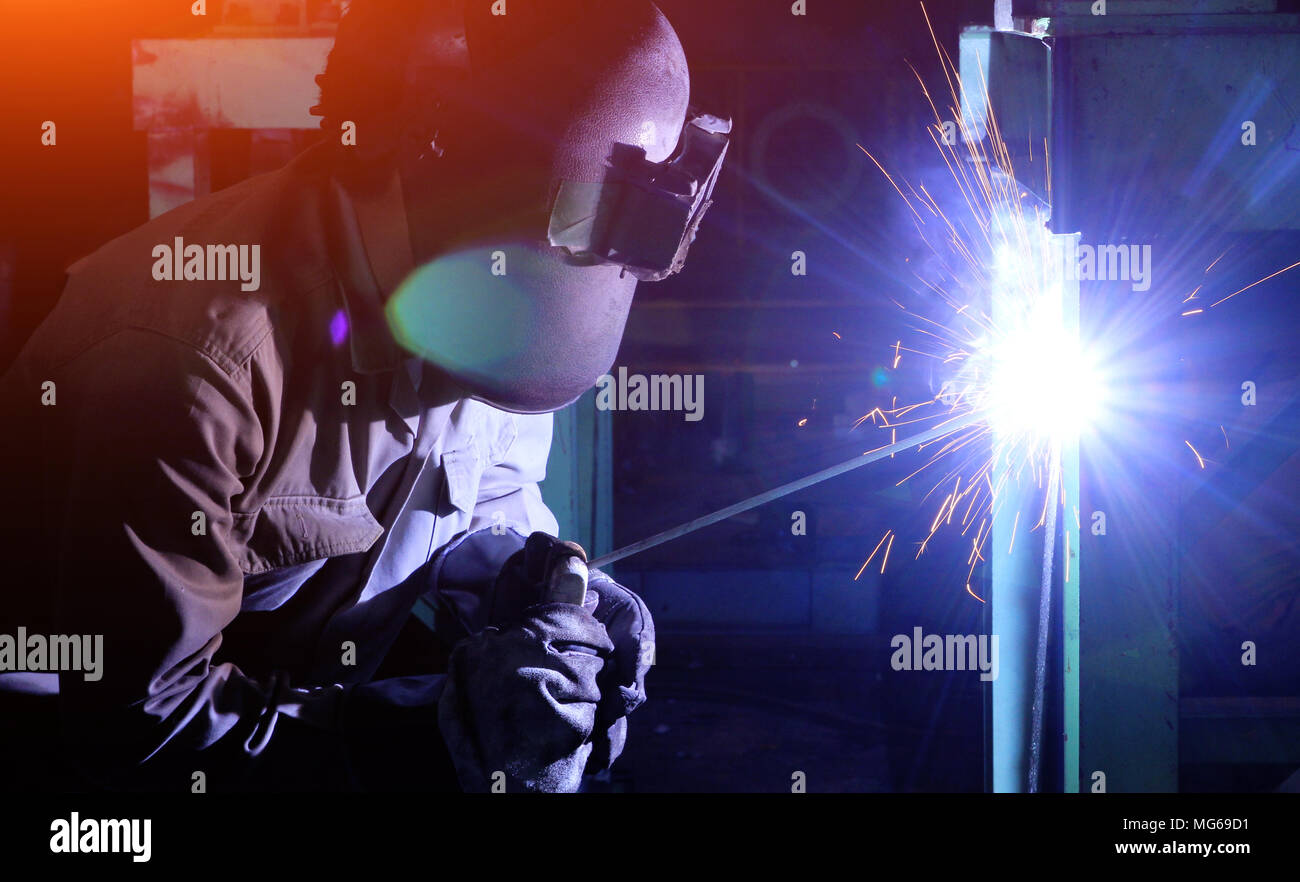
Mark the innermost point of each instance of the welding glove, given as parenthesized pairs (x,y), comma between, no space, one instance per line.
(520,703)
(507,672)
(622,680)
(626,619)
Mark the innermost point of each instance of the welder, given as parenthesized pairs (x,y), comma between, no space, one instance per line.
(247,492)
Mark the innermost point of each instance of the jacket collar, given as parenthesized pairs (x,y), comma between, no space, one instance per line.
(370,249)
(362,244)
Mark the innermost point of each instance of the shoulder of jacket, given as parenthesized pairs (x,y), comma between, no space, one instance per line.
(215,273)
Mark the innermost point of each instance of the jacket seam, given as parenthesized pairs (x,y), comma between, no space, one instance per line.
(312,498)
(316,551)
(218,359)
(231,360)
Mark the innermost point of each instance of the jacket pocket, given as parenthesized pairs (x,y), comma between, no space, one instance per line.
(463,475)
(291,530)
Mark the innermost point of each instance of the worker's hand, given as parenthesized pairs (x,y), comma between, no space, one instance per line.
(523,578)
(622,680)
(469,603)
(520,705)
(626,620)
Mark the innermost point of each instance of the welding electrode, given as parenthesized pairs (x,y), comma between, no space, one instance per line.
(945,428)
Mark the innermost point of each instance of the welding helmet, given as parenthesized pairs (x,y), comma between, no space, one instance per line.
(528,320)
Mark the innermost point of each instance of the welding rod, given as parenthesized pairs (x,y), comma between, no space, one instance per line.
(700,523)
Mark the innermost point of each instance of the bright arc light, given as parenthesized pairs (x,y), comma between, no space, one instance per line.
(1042,384)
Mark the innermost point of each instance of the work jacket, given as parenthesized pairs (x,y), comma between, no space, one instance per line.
(241,492)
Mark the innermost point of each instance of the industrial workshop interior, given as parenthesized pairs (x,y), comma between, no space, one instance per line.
(628,398)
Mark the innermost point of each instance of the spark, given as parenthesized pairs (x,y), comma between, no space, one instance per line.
(867,563)
(1217,259)
(1253,284)
(891,180)
(1197,455)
